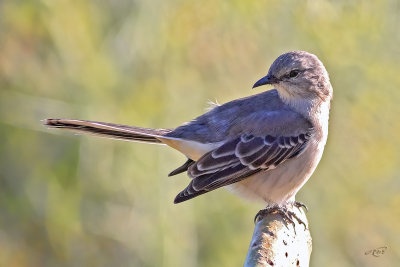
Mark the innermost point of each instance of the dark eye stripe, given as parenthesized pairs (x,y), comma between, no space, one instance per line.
(294,73)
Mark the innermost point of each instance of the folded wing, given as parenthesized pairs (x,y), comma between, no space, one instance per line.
(240,158)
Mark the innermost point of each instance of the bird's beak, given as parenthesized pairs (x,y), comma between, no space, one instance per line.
(269,79)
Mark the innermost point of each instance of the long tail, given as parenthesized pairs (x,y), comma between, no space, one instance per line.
(110,130)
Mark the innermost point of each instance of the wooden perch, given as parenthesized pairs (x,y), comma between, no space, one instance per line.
(277,242)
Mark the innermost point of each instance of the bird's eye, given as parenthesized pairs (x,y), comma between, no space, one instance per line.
(294,73)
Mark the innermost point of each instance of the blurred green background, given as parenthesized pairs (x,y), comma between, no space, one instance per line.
(68,200)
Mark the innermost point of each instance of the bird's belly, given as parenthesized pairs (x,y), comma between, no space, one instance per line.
(280,185)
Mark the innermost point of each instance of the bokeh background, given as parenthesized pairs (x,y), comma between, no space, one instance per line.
(68,200)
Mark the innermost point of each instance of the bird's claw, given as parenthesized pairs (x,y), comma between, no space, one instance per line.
(287,214)
(299,205)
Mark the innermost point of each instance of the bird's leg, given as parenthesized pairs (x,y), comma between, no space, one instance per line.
(287,214)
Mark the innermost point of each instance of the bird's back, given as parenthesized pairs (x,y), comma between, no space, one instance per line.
(215,125)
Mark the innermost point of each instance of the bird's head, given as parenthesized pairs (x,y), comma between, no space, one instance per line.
(298,74)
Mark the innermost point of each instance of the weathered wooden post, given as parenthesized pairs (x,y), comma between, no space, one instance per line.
(277,242)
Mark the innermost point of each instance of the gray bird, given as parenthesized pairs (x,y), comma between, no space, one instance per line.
(262,147)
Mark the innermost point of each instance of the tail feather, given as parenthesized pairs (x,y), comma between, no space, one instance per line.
(110,130)
(182,168)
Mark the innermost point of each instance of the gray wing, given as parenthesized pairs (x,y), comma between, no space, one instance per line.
(240,158)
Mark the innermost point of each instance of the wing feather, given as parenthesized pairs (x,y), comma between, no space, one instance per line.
(240,158)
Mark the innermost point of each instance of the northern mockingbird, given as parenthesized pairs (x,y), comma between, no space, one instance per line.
(262,147)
